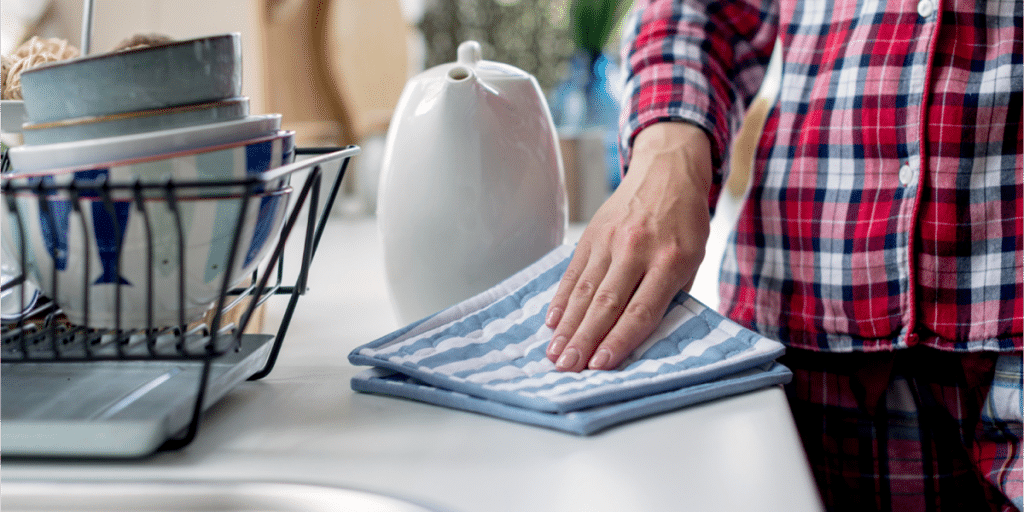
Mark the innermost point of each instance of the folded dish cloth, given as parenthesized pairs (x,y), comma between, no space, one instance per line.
(487,355)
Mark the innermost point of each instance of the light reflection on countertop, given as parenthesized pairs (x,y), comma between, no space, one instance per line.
(303,423)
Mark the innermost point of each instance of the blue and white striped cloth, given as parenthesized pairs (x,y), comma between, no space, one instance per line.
(487,354)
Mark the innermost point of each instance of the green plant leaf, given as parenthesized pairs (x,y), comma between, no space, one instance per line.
(594,21)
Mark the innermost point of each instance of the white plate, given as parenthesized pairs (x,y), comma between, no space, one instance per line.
(44,157)
(11,301)
(12,310)
(12,116)
(14,298)
(131,123)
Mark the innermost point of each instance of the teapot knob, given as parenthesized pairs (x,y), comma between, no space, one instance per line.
(469,53)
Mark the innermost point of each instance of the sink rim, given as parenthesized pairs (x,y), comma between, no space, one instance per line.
(206,495)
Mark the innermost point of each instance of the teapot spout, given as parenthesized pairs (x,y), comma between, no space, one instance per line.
(460,74)
(469,54)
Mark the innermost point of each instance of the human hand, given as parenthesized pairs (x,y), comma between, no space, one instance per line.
(643,245)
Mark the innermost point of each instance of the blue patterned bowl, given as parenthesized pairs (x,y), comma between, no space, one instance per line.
(81,247)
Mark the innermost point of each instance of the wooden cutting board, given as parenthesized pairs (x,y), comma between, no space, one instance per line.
(367,60)
(295,81)
(334,68)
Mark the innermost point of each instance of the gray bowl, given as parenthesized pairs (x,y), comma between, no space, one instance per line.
(12,116)
(169,75)
(139,121)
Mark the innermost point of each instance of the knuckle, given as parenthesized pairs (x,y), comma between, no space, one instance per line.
(678,257)
(607,299)
(570,276)
(585,288)
(641,312)
(672,254)
(636,235)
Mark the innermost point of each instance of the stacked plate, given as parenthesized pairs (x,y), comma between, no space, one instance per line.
(167,114)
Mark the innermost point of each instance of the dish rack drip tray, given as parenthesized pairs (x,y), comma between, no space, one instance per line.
(113,408)
(89,392)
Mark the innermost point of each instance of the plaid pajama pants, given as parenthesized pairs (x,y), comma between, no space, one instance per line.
(911,430)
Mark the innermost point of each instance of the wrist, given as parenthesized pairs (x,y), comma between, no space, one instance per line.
(676,151)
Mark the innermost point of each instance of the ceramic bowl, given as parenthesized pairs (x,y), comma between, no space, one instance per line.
(82,251)
(33,158)
(177,73)
(139,121)
(234,161)
(12,115)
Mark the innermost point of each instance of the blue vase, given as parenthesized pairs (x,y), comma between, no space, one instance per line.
(588,99)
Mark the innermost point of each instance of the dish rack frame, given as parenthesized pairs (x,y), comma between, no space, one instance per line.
(42,334)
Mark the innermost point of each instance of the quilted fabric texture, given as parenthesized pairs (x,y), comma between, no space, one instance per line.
(487,354)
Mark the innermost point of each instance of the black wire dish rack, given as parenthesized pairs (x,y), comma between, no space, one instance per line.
(44,334)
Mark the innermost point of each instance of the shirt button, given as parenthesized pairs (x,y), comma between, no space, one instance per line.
(925,8)
(906,175)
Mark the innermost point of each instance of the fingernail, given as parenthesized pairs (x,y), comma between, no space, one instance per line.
(600,359)
(557,345)
(554,315)
(568,359)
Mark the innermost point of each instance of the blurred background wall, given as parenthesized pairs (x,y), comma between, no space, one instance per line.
(391,39)
(334,69)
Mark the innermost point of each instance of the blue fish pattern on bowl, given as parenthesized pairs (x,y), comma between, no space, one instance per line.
(111,221)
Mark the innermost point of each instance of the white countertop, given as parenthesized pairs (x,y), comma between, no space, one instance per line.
(303,423)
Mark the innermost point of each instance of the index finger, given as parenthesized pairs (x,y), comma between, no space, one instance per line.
(565,286)
(556,309)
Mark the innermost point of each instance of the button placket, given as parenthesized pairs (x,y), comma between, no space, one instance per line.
(926,8)
(906,174)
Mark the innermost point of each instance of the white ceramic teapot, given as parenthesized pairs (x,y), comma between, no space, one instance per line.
(472,187)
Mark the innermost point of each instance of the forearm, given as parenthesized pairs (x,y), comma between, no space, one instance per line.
(694,61)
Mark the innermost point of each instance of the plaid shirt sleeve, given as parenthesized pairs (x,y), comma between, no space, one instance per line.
(698,61)
(886,204)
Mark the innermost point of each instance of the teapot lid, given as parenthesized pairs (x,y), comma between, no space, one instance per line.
(471,56)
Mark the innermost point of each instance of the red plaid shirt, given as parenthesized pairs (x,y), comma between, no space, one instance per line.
(886,204)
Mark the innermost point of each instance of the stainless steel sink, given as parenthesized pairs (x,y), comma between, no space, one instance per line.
(211,496)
